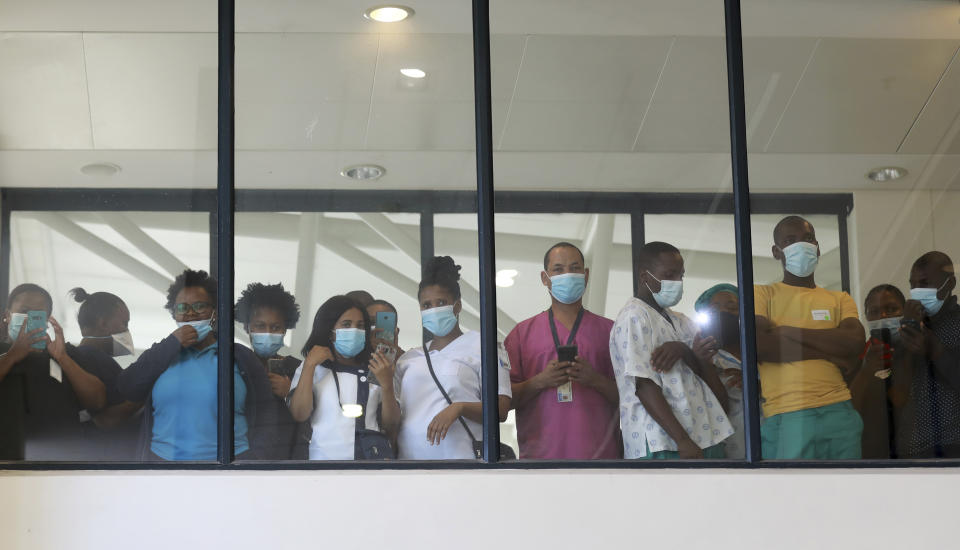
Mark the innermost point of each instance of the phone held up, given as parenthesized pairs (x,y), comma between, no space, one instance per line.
(566,354)
(386,329)
(35,320)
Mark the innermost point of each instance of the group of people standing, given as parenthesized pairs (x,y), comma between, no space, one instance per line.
(652,384)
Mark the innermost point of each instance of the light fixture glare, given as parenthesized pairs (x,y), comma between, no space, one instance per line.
(413,73)
(363,172)
(388,14)
(886,173)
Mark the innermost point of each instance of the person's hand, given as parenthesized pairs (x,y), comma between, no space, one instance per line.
(705,348)
(383,368)
(912,340)
(688,449)
(279,384)
(57,347)
(21,347)
(583,372)
(733,378)
(187,336)
(666,356)
(437,430)
(318,355)
(873,360)
(553,375)
(913,309)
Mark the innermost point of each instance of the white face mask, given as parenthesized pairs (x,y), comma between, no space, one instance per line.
(670,292)
(890,323)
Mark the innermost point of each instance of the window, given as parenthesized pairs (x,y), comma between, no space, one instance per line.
(524,236)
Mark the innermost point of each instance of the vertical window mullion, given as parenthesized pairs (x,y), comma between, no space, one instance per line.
(741,212)
(485,230)
(225,207)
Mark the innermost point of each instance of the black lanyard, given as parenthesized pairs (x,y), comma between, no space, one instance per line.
(363,395)
(573,331)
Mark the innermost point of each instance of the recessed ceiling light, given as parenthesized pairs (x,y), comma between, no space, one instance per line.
(886,173)
(100,169)
(363,172)
(388,14)
(504,277)
(413,73)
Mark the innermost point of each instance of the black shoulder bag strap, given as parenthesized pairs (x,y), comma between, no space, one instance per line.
(477,448)
(363,395)
(573,330)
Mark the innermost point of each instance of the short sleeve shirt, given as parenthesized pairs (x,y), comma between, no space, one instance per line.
(637,332)
(799,385)
(586,427)
(334,434)
(457,366)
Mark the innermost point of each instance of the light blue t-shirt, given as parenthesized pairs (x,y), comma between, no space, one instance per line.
(185,408)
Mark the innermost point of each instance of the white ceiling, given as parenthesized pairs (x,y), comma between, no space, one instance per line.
(623,95)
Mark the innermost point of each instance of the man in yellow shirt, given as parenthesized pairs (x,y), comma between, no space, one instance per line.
(807,337)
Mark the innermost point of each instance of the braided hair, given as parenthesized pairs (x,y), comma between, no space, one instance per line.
(443,272)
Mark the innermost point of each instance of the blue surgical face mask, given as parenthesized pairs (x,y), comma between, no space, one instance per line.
(670,292)
(266,344)
(350,342)
(439,320)
(928,298)
(801,258)
(890,323)
(569,287)
(203,327)
(16,321)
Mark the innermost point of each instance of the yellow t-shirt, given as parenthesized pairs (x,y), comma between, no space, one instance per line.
(808,384)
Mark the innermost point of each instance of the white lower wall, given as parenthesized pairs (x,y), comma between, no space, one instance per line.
(663,509)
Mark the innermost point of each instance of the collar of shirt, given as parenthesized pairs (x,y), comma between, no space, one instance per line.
(192,352)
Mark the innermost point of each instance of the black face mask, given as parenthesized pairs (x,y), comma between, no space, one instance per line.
(724,327)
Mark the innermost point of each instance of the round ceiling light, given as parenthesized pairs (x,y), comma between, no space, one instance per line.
(413,73)
(886,173)
(100,169)
(363,172)
(388,14)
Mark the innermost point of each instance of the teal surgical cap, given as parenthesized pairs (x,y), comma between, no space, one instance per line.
(704,300)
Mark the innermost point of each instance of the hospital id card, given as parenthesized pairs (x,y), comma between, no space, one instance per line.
(565,393)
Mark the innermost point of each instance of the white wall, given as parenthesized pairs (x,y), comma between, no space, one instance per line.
(890,229)
(781,510)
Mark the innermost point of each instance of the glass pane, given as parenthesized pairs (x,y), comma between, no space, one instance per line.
(342,122)
(111,123)
(608,124)
(853,115)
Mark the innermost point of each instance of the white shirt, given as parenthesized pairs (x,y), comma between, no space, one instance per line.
(458,368)
(733,446)
(638,331)
(334,434)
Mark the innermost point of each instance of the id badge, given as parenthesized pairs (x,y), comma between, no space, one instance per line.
(565,393)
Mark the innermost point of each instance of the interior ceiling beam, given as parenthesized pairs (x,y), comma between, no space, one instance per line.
(385,273)
(61,224)
(309,224)
(596,252)
(396,235)
(130,231)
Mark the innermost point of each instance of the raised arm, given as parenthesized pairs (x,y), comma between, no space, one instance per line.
(136,381)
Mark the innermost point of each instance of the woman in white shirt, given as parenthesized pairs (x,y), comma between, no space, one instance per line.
(430,427)
(339,362)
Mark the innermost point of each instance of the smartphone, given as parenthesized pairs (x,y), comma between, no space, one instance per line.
(912,323)
(35,320)
(275,365)
(566,353)
(386,324)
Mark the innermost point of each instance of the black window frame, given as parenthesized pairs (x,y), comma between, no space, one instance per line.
(223,202)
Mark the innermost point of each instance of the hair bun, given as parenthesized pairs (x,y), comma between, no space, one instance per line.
(440,268)
(79,294)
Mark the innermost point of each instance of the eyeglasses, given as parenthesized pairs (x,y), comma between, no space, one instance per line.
(197,307)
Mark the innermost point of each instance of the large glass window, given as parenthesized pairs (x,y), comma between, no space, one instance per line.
(116,118)
(615,122)
(856,97)
(344,126)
